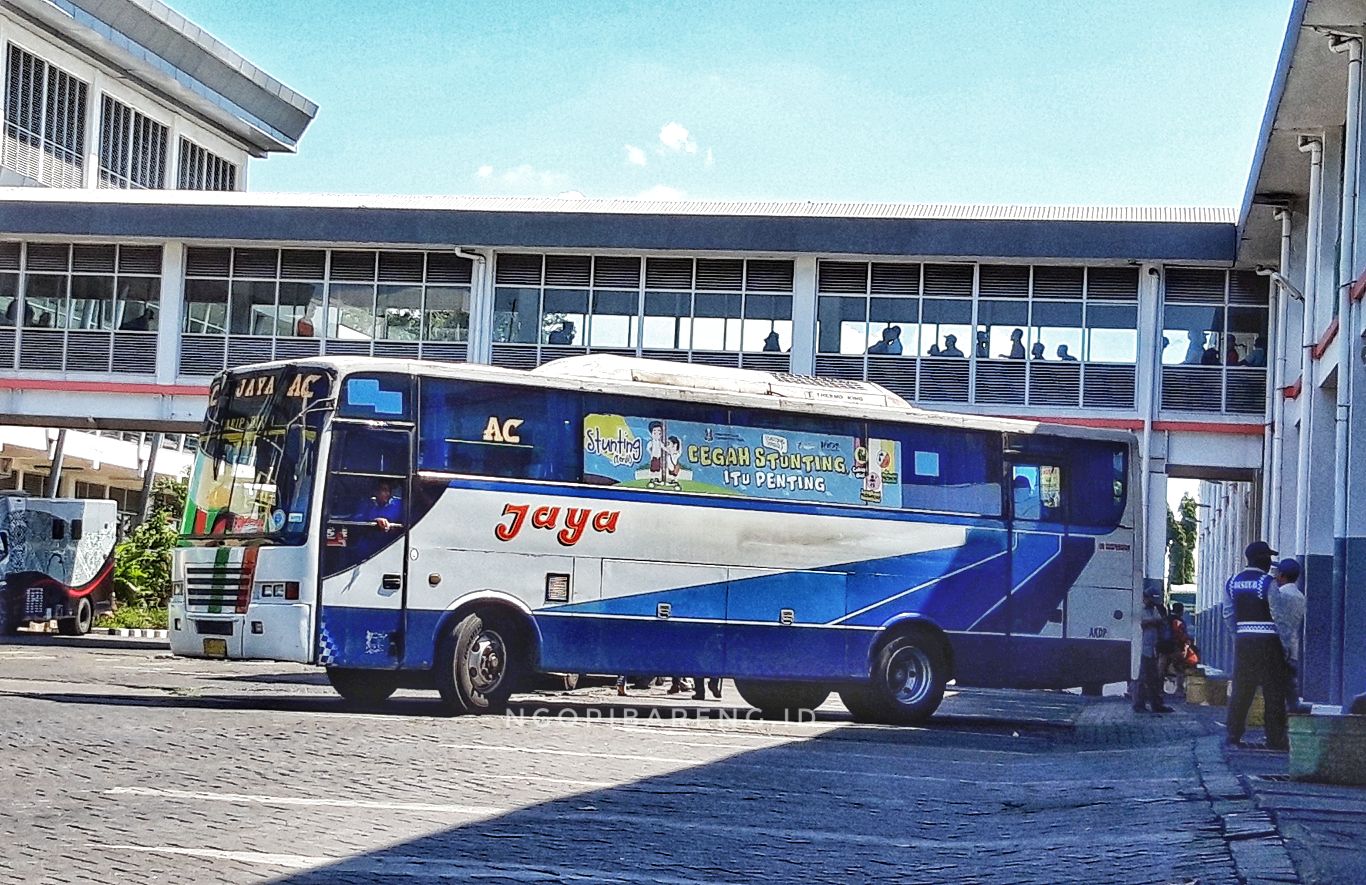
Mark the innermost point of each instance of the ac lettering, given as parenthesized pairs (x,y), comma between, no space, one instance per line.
(577,521)
(504,431)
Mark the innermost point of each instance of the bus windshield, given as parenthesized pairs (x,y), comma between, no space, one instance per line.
(254,473)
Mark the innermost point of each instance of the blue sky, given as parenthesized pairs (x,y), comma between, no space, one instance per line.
(955,101)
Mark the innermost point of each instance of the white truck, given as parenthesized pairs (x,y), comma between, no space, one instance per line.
(56,561)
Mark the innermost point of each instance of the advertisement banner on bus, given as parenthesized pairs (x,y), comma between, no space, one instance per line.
(685,456)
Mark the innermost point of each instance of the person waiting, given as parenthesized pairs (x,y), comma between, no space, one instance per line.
(890,344)
(1064,355)
(951,347)
(1037,351)
(771,343)
(563,335)
(1257,358)
(1017,351)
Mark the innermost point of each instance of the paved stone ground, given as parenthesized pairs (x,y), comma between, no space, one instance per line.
(121,763)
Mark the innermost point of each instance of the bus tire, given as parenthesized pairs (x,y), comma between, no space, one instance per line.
(480,663)
(81,623)
(906,684)
(782,700)
(364,687)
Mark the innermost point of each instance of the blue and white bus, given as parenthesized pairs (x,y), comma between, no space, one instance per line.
(459,527)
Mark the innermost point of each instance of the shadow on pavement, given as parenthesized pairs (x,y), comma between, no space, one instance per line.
(48,640)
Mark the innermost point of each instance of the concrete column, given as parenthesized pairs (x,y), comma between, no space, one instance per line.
(1155,509)
(172,317)
(90,172)
(481,308)
(804,316)
(1354,545)
(54,478)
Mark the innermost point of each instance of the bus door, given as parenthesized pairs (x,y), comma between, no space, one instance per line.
(363,593)
(1035,607)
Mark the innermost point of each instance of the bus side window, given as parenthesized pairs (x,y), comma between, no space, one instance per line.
(77,529)
(1036,492)
(58,529)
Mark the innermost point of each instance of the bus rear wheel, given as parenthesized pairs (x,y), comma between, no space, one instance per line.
(480,663)
(362,686)
(82,622)
(782,700)
(906,684)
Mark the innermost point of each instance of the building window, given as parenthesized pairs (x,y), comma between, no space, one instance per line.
(993,335)
(279,303)
(1214,341)
(716,311)
(44,121)
(201,170)
(132,148)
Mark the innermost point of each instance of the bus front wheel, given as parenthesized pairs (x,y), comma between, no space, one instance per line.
(480,663)
(782,700)
(362,686)
(906,684)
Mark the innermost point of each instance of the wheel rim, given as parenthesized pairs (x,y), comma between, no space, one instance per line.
(910,675)
(486,661)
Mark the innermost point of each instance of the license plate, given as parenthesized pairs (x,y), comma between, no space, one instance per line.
(216,648)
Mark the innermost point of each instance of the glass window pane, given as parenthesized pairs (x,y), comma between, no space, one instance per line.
(1057,331)
(9,299)
(253,308)
(842,325)
(1001,330)
(447,316)
(399,312)
(1247,337)
(668,321)
(92,302)
(945,327)
(351,311)
(893,326)
(1111,334)
(516,315)
(768,323)
(46,305)
(716,324)
(301,307)
(206,306)
(563,316)
(1192,334)
(614,319)
(139,304)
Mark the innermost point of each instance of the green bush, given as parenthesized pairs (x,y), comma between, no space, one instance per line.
(134,617)
(142,562)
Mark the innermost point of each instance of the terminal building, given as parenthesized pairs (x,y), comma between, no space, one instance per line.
(1186,326)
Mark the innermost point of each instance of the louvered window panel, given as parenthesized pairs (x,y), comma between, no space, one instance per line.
(675,356)
(1110,387)
(443,267)
(259,264)
(1054,384)
(44,137)
(145,260)
(398,350)
(202,354)
(42,351)
(766,362)
(1192,389)
(842,278)
(202,170)
(713,358)
(400,267)
(896,279)
(1246,393)
(768,276)
(1112,283)
(7,338)
(1003,281)
(201,261)
(1059,282)
(668,273)
(135,353)
(518,270)
(446,353)
(303,264)
(45,257)
(616,273)
(348,348)
(353,267)
(297,348)
(92,259)
(720,274)
(944,380)
(1191,285)
(1001,383)
(894,373)
(9,256)
(132,147)
(568,270)
(512,356)
(1246,287)
(244,350)
(87,351)
(948,280)
(848,368)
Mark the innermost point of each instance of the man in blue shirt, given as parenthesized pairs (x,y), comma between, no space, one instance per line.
(384,509)
(1258,659)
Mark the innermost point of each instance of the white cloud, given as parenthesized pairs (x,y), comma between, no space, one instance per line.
(710,161)
(635,156)
(675,137)
(527,176)
(485,171)
(571,195)
(661,192)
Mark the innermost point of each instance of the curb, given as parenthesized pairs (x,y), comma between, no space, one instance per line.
(131,632)
(1251,836)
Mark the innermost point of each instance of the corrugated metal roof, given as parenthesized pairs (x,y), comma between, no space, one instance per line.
(748,208)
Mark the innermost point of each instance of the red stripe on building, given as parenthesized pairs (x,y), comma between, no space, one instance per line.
(1105,423)
(1293,391)
(103,387)
(1358,290)
(1211,427)
(1328,335)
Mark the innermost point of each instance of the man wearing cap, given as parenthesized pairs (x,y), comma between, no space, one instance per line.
(1287,610)
(1258,659)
